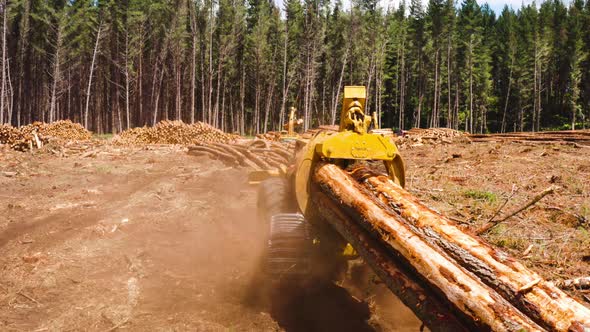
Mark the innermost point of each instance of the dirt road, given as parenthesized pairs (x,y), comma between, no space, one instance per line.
(151,239)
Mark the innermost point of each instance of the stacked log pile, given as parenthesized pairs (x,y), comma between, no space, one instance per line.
(274,136)
(256,154)
(63,129)
(9,135)
(173,132)
(37,134)
(481,283)
(581,137)
(432,136)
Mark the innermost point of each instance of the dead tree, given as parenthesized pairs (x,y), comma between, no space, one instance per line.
(94,53)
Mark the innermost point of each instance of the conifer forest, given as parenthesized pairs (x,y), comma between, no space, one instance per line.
(239,65)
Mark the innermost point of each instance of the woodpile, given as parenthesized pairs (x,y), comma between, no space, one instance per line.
(256,154)
(37,134)
(483,284)
(432,136)
(270,136)
(576,137)
(173,132)
(9,135)
(63,129)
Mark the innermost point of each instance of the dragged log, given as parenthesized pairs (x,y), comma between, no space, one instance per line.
(435,313)
(241,158)
(464,290)
(538,299)
(279,152)
(219,154)
(275,161)
(256,159)
(284,152)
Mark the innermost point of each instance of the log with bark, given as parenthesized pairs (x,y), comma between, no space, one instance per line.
(483,283)
(547,137)
(466,292)
(538,299)
(435,312)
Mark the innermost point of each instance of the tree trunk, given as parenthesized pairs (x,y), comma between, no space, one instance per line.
(402,87)
(434,312)
(483,284)
(23,45)
(535,88)
(523,288)
(434,122)
(56,73)
(3,82)
(503,128)
(91,75)
(449,108)
(466,293)
(285,86)
(338,88)
(193,64)
(470,122)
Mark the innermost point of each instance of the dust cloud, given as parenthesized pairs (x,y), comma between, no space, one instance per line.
(155,240)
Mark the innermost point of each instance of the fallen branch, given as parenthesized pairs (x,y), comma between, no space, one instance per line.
(116,327)
(530,203)
(504,204)
(28,297)
(576,283)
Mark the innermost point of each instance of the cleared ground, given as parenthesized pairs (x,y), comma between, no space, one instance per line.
(473,183)
(152,239)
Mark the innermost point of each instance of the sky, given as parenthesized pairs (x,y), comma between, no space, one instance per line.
(495,5)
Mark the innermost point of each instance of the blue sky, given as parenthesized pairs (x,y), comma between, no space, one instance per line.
(495,5)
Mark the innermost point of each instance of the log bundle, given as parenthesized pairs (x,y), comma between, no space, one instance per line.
(173,132)
(581,137)
(270,136)
(255,155)
(483,284)
(63,129)
(431,136)
(37,134)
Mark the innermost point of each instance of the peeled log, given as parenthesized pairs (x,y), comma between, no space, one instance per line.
(461,288)
(538,299)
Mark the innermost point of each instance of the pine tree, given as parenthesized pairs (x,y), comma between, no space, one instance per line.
(576,57)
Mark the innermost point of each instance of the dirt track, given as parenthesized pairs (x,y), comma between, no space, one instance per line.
(137,239)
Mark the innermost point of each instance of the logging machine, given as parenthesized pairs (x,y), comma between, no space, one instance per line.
(300,244)
(327,201)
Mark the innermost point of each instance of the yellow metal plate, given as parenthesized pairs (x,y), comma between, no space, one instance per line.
(350,145)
